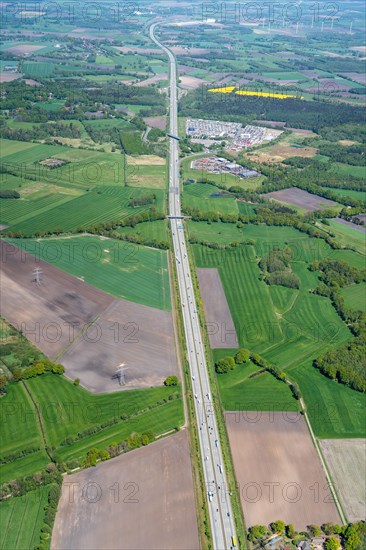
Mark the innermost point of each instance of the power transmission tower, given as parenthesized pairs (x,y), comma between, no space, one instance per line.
(37,272)
(120,374)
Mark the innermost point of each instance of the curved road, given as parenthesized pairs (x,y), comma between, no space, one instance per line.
(219,505)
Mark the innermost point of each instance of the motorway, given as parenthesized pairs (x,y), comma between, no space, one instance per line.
(218,497)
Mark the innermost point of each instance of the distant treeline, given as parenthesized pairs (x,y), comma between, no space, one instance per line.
(297,113)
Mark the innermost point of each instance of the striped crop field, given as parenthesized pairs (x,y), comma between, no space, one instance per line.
(88,410)
(248,298)
(125,270)
(98,205)
(21,519)
(76,410)
(288,327)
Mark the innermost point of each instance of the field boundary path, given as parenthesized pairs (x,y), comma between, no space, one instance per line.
(39,418)
(219,503)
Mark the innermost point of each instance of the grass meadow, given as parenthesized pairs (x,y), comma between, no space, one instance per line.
(21,519)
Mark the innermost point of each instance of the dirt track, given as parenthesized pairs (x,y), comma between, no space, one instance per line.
(278,470)
(220,325)
(87,330)
(143,500)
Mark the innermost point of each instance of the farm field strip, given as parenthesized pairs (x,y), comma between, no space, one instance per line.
(23,518)
(96,206)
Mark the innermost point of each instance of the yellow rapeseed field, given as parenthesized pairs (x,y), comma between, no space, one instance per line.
(226,90)
(229,89)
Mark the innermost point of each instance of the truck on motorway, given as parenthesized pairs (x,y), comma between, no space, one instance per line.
(233,542)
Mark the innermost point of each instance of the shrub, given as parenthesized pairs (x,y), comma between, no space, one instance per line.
(171,381)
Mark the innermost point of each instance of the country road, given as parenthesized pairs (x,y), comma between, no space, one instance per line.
(217,493)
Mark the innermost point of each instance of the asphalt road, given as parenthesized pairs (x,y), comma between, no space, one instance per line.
(219,504)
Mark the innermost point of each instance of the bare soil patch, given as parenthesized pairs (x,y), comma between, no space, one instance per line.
(32,82)
(87,330)
(156,122)
(220,325)
(279,152)
(146,500)
(357,77)
(22,49)
(141,337)
(53,163)
(181,50)
(128,49)
(346,142)
(346,459)
(151,80)
(9,77)
(46,312)
(300,198)
(145,160)
(191,82)
(278,470)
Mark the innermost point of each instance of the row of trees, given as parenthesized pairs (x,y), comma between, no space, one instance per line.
(37,369)
(142,200)
(349,537)
(228,363)
(347,363)
(40,132)
(9,194)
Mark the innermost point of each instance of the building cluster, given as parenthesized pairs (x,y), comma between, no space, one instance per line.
(220,165)
(237,136)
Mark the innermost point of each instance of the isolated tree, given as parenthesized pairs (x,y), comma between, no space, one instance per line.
(242,356)
(225,365)
(171,381)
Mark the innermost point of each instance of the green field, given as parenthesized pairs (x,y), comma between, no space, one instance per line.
(52,105)
(96,206)
(199,195)
(359,195)
(38,69)
(66,410)
(157,230)
(355,296)
(335,411)
(123,269)
(347,236)
(21,520)
(289,327)
(240,391)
